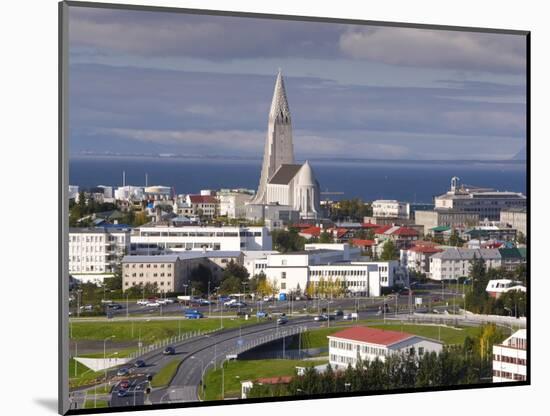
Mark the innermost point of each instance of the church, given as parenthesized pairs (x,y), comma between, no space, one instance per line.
(284,183)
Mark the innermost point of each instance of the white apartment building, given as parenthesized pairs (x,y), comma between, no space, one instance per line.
(203,205)
(168,239)
(320,264)
(390,208)
(510,358)
(485,202)
(94,253)
(129,193)
(455,262)
(368,344)
(515,218)
(417,258)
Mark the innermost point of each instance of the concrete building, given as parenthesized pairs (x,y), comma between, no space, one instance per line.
(384,208)
(233,204)
(433,219)
(95,253)
(510,358)
(282,181)
(158,192)
(417,257)
(255,261)
(455,262)
(346,347)
(168,239)
(273,215)
(129,193)
(491,232)
(485,202)
(73,192)
(515,218)
(512,258)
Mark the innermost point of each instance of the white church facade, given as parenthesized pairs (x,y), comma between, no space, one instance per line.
(282,181)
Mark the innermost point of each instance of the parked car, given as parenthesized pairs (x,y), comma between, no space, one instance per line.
(124,384)
(339,312)
(230,302)
(115,306)
(86,308)
(154,304)
(237,305)
(139,364)
(347,317)
(261,314)
(142,302)
(320,318)
(122,372)
(169,351)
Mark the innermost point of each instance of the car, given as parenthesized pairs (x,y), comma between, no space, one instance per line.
(339,312)
(122,372)
(169,351)
(86,308)
(169,300)
(282,320)
(194,315)
(267,298)
(320,318)
(261,314)
(115,306)
(153,304)
(142,302)
(124,384)
(347,317)
(139,363)
(161,301)
(237,305)
(230,302)
(122,393)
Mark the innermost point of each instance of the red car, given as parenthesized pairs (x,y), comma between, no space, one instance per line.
(124,384)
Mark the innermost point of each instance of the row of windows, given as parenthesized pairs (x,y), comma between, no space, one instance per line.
(148,266)
(338,272)
(340,359)
(144,283)
(508,375)
(201,234)
(511,360)
(154,275)
(94,238)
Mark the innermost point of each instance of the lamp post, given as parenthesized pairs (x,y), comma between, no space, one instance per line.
(127,294)
(209,303)
(105,354)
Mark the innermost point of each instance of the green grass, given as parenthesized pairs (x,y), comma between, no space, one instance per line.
(318,338)
(89,403)
(122,353)
(166,373)
(84,375)
(151,331)
(237,371)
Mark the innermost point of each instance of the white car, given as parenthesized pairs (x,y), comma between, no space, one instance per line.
(230,302)
(162,301)
(154,304)
(142,302)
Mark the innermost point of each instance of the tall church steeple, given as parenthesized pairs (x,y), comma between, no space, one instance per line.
(279,148)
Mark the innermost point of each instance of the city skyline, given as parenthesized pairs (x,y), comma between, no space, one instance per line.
(354,91)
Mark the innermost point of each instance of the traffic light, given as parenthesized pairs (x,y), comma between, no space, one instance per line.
(148,390)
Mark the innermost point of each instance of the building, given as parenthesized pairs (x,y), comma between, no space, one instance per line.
(158,192)
(491,232)
(346,347)
(510,358)
(203,205)
(73,192)
(384,208)
(485,202)
(151,239)
(454,262)
(282,181)
(431,220)
(95,253)
(273,215)
(497,287)
(255,261)
(512,258)
(327,269)
(515,218)
(417,257)
(233,204)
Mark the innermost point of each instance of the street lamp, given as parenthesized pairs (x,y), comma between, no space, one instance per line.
(105,354)
(209,303)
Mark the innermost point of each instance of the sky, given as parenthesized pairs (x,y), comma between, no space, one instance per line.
(144,82)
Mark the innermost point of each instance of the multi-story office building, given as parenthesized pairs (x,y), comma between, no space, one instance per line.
(390,208)
(485,202)
(456,262)
(168,239)
(510,358)
(444,218)
(369,344)
(96,252)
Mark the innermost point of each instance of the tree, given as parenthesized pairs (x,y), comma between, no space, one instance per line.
(520,238)
(325,238)
(454,239)
(229,285)
(389,252)
(287,241)
(236,270)
(199,277)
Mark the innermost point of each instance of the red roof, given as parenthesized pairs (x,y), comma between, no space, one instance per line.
(372,335)
(313,231)
(338,232)
(362,243)
(382,229)
(424,243)
(203,199)
(275,380)
(425,249)
(405,232)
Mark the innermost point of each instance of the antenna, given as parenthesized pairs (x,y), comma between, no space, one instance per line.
(123,178)
(146,180)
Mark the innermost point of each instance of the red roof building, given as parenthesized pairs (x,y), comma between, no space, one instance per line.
(363,243)
(203,199)
(310,232)
(371,335)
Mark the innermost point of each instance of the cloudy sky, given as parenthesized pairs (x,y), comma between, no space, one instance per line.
(152,82)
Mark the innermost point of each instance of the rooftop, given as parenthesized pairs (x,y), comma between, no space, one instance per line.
(372,335)
(284,174)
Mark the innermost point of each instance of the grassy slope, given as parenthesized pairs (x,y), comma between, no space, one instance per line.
(166,373)
(248,370)
(150,331)
(89,403)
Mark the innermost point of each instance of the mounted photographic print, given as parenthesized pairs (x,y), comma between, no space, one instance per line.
(266,208)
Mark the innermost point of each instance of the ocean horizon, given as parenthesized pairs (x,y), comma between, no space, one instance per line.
(404,180)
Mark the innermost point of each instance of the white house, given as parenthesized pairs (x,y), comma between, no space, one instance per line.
(346,346)
(386,208)
(510,358)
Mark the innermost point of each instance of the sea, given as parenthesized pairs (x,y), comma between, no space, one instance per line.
(409,181)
